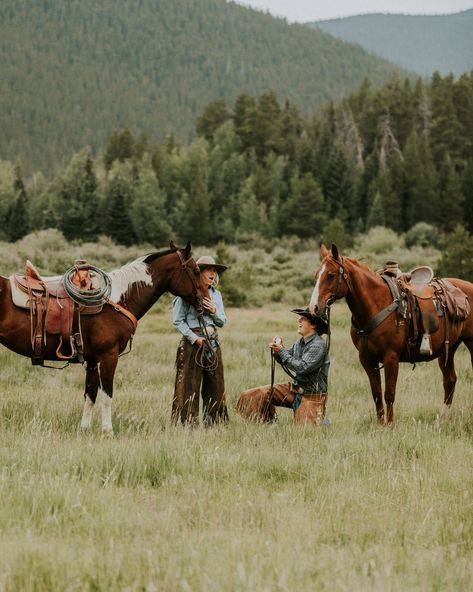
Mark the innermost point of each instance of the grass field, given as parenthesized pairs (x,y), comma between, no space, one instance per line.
(352,506)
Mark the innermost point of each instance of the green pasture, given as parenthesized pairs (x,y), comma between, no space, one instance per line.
(352,506)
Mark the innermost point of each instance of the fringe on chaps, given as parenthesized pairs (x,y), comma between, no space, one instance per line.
(191,379)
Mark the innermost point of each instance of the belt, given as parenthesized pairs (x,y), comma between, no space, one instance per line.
(300,391)
(211,330)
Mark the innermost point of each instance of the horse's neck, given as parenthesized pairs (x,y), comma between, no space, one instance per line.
(140,301)
(140,297)
(368,295)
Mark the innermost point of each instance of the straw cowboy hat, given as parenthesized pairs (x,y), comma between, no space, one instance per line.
(320,323)
(208,261)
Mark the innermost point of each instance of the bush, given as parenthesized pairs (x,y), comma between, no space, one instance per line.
(457,256)
(423,235)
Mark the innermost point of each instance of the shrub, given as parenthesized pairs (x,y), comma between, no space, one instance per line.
(422,234)
(457,256)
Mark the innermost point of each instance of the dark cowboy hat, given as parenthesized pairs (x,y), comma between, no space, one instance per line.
(320,323)
(208,261)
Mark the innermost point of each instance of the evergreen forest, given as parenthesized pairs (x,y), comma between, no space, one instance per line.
(398,156)
(74,71)
(419,43)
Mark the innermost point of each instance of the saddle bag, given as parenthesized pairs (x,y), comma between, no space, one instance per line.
(456,301)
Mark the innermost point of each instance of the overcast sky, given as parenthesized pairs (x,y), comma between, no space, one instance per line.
(313,10)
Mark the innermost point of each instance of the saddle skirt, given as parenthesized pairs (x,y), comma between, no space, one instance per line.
(423,299)
(52,310)
(21,287)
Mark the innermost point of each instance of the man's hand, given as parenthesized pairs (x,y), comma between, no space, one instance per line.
(276,345)
(200,341)
(209,305)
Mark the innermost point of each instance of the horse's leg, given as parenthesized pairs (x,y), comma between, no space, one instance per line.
(92,383)
(106,371)
(391,370)
(375,383)
(449,374)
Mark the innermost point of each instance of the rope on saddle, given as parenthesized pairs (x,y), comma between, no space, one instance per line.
(94,295)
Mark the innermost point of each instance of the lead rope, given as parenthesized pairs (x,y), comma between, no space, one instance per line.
(289,373)
(205,357)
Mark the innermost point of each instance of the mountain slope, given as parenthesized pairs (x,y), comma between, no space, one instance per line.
(73,71)
(421,44)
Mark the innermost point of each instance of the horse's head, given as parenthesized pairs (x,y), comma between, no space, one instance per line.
(330,281)
(186,282)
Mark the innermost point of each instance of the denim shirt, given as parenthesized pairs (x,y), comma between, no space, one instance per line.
(185,319)
(305,358)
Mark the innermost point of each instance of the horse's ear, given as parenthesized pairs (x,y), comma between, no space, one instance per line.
(335,251)
(188,249)
(323,251)
(173,245)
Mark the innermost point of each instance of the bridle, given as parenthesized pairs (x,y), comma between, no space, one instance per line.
(186,269)
(342,274)
(207,359)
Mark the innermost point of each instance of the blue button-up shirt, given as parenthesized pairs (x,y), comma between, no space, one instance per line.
(185,319)
(306,358)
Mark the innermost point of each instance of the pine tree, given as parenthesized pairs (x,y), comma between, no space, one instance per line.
(17,219)
(306,216)
(76,199)
(215,114)
(451,195)
(147,212)
(118,204)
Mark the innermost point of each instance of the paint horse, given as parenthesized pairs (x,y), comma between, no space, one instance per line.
(380,333)
(135,287)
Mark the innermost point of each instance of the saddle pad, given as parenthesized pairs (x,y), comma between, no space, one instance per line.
(19,297)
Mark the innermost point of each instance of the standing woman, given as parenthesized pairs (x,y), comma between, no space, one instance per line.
(198,362)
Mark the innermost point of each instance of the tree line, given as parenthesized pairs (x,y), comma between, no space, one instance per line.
(72,71)
(392,156)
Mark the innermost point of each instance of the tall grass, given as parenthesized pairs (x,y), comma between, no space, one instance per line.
(244,507)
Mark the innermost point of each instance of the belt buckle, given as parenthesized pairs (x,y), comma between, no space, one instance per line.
(210,330)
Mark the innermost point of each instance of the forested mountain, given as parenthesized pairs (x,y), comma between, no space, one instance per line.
(422,44)
(399,156)
(72,71)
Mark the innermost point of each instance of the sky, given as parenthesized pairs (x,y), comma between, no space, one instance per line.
(313,10)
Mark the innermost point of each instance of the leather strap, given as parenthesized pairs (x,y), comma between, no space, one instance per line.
(129,315)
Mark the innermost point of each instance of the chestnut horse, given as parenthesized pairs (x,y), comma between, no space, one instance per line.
(135,288)
(367,294)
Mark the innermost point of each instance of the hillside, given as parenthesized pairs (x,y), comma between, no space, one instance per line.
(72,72)
(422,44)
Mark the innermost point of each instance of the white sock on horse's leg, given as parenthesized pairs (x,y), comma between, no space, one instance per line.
(87,413)
(106,402)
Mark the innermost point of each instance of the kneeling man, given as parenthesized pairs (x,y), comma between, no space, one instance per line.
(307,362)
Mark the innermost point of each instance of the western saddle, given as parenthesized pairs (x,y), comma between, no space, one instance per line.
(53,311)
(422,299)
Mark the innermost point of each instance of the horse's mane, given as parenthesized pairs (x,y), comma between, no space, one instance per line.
(361,264)
(136,273)
(152,256)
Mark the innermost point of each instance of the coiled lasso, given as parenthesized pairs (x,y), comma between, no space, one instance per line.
(92,296)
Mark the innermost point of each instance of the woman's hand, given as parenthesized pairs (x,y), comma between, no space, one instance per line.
(209,305)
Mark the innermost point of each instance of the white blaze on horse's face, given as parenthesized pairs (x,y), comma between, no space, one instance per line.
(122,279)
(314,299)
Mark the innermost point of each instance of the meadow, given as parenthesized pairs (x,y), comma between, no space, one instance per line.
(351,506)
